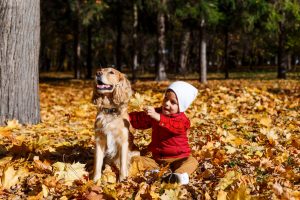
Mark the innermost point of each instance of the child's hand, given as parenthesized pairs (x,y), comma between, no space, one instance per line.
(150,111)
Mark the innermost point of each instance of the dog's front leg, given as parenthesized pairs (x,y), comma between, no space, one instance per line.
(124,161)
(99,157)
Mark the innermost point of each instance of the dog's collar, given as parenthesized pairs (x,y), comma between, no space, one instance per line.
(109,110)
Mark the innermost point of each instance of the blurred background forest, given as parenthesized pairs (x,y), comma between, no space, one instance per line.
(160,38)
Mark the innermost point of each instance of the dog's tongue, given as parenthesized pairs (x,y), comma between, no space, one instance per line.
(103,86)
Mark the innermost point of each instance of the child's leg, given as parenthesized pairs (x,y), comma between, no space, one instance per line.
(182,168)
(186,165)
(141,163)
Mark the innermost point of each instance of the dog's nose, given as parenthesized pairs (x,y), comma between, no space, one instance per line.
(99,73)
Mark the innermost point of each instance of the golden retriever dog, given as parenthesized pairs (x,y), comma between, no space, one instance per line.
(114,141)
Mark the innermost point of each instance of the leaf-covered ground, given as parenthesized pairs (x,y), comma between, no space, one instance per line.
(245,135)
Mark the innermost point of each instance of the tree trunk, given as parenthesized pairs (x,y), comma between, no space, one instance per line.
(203,59)
(226,62)
(134,41)
(61,57)
(76,43)
(19,61)
(89,57)
(281,70)
(119,35)
(184,52)
(161,68)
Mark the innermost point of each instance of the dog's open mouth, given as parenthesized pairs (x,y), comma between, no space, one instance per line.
(103,86)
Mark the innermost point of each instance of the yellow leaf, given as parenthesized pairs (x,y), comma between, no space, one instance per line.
(108,176)
(241,193)
(109,181)
(282,157)
(170,194)
(153,193)
(203,108)
(13,124)
(266,121)
(222,195)
(69,172)
(272,137)
(230,149)
(135,167)
(142,190)
(137,101)
(228,179)
(80,113)
(232,139)
(5,160)
(259,153)
(43,166)
(45,191)
(11,176)
(5,132)
(207,196)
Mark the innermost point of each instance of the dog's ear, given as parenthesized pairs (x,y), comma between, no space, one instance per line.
(122,91)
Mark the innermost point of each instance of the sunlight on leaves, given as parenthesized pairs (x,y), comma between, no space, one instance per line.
(13,124)
(228,179)
(11,176)
(137,102)
(69,172)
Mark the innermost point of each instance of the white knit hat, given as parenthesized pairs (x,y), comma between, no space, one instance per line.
(185,92)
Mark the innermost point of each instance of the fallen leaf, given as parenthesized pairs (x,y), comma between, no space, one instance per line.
(69,172)
(11,176)
(222,195)
(266,121)
(13,124)
(241,193)
(228,179)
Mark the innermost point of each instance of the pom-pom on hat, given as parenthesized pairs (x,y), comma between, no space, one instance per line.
(185,92)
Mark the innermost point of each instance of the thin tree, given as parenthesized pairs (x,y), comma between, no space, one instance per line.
(119,27)
(284,19)
(183,58)
(202,52)
(135,41)
(19,61)
(161,74)
(202,14)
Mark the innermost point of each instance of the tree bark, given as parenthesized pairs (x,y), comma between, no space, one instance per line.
(19,61)
(281,70)
(184,52)
(89,57)
(226,62)
(161,68)
(76,42)
(203,59)
(134,41)
(119,35)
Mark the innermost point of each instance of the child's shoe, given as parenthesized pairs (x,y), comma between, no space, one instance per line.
(182,179)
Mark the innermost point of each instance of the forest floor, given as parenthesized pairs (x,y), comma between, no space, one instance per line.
(245,135)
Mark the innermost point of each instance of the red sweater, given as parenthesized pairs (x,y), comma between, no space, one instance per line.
(169,135)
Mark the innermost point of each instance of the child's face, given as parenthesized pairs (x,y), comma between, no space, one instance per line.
(170,103)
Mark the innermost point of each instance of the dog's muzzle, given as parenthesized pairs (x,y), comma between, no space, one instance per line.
(101,85)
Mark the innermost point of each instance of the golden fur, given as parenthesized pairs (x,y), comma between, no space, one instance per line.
(111,94)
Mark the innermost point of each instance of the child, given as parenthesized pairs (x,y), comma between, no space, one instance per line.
(170,127)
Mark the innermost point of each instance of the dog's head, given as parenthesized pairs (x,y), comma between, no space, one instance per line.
(110,82)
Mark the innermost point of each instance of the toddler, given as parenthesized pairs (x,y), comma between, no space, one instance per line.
(170,127)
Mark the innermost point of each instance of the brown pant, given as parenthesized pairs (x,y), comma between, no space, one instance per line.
(177,165)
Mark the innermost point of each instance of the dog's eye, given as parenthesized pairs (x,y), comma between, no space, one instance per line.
(111,72)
